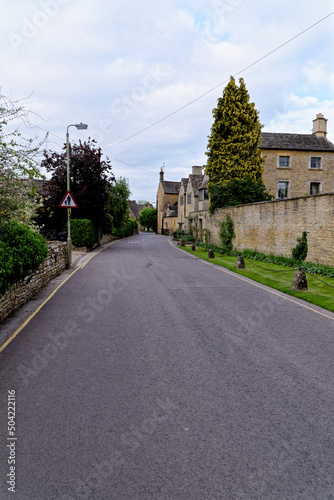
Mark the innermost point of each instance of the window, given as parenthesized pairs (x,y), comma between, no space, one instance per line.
(315,162)
(203,194)
(284,161)
(189,199)
(283,189)
(314,188)
(181,200)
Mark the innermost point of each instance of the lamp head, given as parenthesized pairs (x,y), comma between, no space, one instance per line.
(81,126)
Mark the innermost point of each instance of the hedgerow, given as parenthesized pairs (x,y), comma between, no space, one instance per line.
(22,250)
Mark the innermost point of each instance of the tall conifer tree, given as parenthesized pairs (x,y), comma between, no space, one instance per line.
(233,147)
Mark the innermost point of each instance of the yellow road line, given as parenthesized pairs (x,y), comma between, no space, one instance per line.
(12,337)
(254,283)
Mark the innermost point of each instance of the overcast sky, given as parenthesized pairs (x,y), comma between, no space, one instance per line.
(122,66)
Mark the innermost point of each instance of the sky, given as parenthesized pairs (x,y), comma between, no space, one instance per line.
(145,76)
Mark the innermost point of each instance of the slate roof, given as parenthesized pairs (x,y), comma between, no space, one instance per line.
(196,181)
(204,184)
(170,187)
(295,142)
(136,209)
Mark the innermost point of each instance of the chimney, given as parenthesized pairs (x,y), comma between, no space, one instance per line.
(196,170)
(320,126)
(161,175)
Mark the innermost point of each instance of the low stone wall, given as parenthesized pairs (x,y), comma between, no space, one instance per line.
(274,226)
(22,291)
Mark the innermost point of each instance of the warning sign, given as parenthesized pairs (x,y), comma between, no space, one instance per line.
(68,201)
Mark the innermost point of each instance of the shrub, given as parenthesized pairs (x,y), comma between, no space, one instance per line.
(179,234)
(22,250)
(237,192)
(127,228)
(83,233)
(226,233)
(300,250)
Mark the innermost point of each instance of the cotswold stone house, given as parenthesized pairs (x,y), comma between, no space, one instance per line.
(188,201)
(167,209)
(299,164)
(296,165)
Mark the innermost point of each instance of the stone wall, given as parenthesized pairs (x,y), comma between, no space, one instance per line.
(274,226)
(24,290)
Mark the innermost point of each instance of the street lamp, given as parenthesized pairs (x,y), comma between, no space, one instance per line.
(79,126)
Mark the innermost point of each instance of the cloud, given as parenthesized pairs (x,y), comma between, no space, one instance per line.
(122,66)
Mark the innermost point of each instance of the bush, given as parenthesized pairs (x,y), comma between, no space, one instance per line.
(300,250)
(22,250)
(83,233)
(226,233)
(127,228)
(237,192)
(179,234)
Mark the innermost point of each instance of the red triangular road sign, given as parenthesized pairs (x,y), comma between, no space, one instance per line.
(68,201)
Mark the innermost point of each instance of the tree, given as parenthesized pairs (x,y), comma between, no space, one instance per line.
(148,218)
(238,192)
(118,202)
(18,160)
(90,182)
(233,146)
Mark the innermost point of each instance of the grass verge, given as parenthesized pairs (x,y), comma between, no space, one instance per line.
(276,276)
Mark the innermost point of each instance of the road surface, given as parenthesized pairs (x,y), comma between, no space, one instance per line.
(151,374)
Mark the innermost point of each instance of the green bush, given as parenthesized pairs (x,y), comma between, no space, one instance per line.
(237,192)
(300,250)
(226,234)
(83,233)
(22,250)
(127,228)
(179,234)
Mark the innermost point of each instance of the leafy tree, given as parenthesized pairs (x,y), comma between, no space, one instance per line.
(118,202)
(148,218)
(233,151)
(237,192)
(18,160)
(90,182)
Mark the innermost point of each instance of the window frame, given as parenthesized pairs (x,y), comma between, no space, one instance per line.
(315,158)
(287,189)
(319,183)
(279,161)
(189,198)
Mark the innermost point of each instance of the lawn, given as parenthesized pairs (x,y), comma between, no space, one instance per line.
(277,277)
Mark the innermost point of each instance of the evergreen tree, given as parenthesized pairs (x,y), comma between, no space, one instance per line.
(233,146)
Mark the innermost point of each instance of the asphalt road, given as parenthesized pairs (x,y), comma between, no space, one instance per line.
(153,375)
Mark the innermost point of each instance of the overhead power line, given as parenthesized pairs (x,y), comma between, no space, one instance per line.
(220,84)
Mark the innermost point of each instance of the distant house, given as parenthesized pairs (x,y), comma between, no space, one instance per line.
(167,205)
(188,201)
(299,164)
(136,208)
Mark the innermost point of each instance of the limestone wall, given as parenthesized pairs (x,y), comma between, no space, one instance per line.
(274,226)
(24,290)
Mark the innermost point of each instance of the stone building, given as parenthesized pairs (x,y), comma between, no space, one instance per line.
(299,164)
(188,201)
(167,210)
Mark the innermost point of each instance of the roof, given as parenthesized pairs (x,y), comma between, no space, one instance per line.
(204,184)
(196,181)
(136,209)
(170,187)
(297,142)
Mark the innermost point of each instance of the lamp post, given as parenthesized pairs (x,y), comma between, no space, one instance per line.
(79,126)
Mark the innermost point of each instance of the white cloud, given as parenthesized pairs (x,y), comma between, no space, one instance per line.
(122,66)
